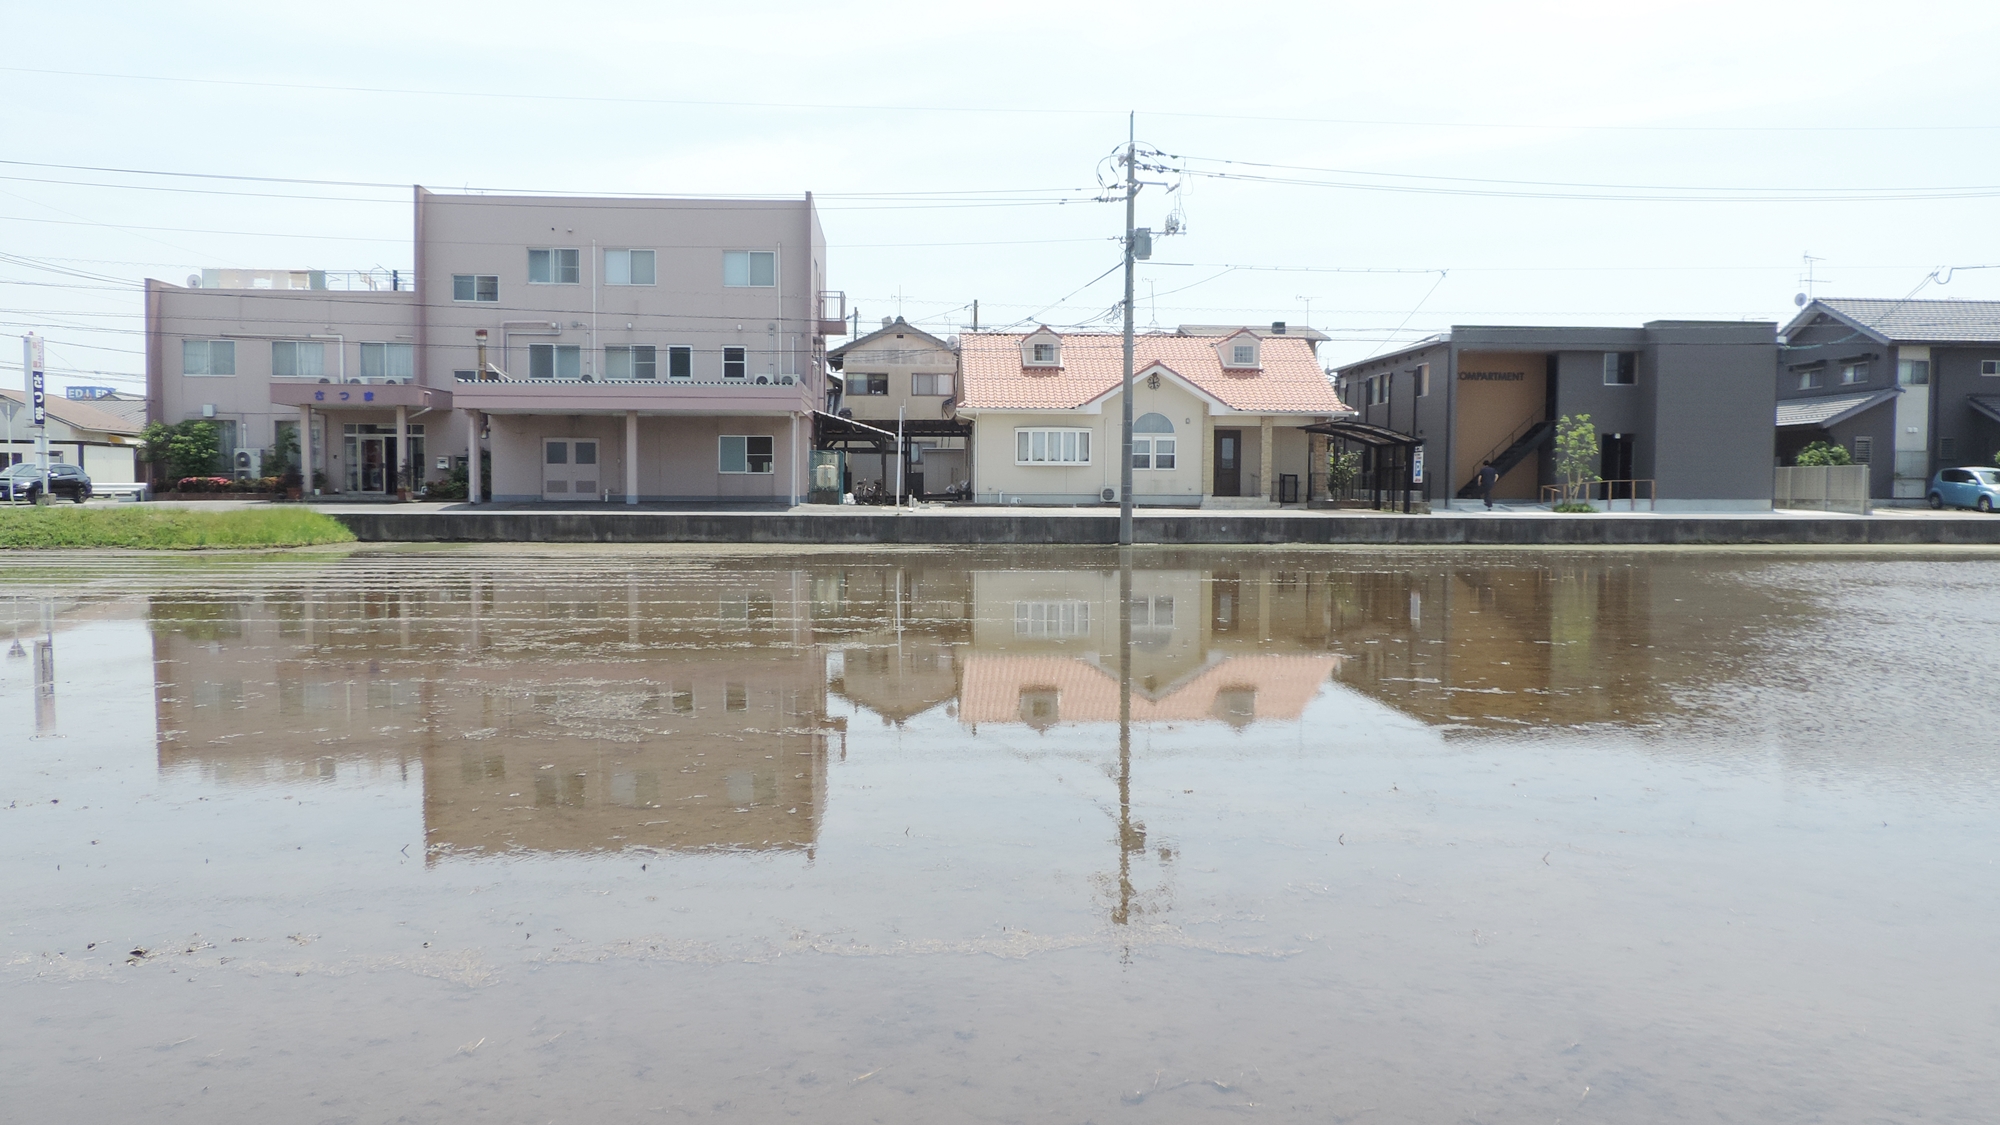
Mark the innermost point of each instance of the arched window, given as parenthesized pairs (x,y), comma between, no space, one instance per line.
(1154,450)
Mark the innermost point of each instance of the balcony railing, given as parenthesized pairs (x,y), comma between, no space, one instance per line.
(833,312)
(495,375)
(385,280)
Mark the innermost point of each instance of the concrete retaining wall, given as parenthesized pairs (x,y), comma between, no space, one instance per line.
(390,525)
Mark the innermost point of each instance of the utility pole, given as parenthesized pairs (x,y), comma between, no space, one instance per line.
(1131,248)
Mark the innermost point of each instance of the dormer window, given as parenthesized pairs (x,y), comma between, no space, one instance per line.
(1041,348)
(1240,352)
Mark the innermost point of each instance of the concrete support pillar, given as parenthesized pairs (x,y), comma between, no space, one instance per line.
(794,458)
(402,459)
(1207,454)
(472,428)
(306,452)
(631,457)
(1265,440)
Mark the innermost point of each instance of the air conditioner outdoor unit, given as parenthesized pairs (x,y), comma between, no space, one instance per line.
(787,380)
(1109,495)
(763,380)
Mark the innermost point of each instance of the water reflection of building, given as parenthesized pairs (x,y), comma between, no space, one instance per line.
(587,715)
(898,631)
(1045,649)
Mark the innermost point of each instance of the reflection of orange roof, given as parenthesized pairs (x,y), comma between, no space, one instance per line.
(994,686)
(1093,363)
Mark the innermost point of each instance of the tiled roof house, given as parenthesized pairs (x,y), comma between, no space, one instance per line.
(1216,414)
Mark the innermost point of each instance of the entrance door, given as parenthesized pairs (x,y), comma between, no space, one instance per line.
(569,469)
(1229,462)
(374,468)
(1615,465)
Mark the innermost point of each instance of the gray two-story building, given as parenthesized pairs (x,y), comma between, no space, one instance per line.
(1682,408)
(1907,387)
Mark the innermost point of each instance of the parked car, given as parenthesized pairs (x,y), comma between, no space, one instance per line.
(24,482)
(1972,487)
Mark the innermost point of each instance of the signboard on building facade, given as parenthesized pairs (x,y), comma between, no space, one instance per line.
(85,394)
(1417,465)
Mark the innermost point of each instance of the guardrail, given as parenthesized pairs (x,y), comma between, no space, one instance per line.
(1607,493)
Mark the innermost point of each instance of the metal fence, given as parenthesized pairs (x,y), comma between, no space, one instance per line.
(1822,488)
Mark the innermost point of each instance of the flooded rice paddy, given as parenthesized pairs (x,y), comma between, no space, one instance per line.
(599,835)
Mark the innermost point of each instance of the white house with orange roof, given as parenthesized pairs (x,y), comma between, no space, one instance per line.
(1216,410)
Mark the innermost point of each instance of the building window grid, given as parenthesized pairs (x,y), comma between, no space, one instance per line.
(1989,367)
(931,383)
(680,362)
(1051,447)
(480,287)
(208,357)
(391,362)
(1812,378)
(1853,373)
(744,454)
(555,266)
(735,363)
(749,269)
(1621,369)
(555,361)
(629,267)
(297,359)
(634,361)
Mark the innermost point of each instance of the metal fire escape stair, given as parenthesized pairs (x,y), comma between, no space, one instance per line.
(1528,441)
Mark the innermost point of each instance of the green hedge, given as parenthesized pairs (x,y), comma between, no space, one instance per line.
(166,528)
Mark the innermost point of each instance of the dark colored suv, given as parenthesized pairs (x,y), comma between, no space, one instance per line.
(24,482)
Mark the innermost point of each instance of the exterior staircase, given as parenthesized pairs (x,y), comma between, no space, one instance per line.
(1526,441)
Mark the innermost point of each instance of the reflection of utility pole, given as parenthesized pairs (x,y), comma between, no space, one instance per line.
(1131,835)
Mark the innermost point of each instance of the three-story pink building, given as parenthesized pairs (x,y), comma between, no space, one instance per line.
(608,350)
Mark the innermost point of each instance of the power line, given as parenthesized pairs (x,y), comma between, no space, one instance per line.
(608,99)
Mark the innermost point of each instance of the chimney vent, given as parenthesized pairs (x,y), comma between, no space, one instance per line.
(1277,328)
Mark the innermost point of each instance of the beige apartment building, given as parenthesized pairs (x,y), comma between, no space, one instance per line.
(607,350)
(898,380)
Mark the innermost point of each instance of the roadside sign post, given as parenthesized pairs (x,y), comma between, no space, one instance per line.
(37,388)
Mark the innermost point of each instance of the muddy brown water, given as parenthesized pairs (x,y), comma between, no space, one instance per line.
(531,835)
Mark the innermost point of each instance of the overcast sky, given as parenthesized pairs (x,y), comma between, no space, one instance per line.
(955,148)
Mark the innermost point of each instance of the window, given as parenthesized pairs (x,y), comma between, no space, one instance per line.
(476,286)
(931,384)
(1621,369)
(1913,372)
(1375,390)
(208,357)
(1864,449)
(680,363)
(640,361)
(1152,442)
(738,453)
(1423,377)
(555,361)
(1243,355)
(861,383)
(1989,367)
(1854,373)
(749,269)
(554,267)
(628,267)
(1045,353)
(388,361)
(1043,447)
(298,359)
(1812,378)
(734,363)
(1052,619)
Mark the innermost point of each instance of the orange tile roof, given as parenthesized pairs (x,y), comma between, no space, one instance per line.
(992,377)
(992,689)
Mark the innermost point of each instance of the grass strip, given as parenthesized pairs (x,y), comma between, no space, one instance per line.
(166,529)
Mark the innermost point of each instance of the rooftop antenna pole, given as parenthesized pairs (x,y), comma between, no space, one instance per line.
(1125,458)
